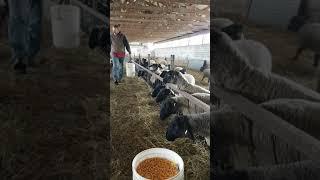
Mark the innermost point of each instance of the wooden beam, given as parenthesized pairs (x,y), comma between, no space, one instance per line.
(129,8)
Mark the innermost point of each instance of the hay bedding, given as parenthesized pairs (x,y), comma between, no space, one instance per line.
(53,120)
(135,126)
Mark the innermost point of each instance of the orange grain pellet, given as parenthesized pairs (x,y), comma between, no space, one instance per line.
(157,169)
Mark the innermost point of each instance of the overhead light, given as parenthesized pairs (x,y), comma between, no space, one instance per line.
(179,19)
(203,15)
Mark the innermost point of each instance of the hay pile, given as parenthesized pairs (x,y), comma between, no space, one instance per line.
(135,126)
(53,120)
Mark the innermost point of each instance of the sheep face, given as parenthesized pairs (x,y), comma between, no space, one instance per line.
(179,128)
(163,74)
(296,23)
(183,71)
(163,94)
(157,89)
(154,67)
(167,107)
(171,77)
(235,31)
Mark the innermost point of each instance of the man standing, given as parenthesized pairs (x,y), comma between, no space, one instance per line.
(24,32)
(119,43)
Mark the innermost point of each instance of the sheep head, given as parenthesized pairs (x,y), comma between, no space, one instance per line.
(163,94)
(235,31)
(167,107)
(179,128)
(171,77)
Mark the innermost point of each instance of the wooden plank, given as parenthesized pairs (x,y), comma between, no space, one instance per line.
(295,137)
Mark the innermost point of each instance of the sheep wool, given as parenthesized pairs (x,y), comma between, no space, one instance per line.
(301,113)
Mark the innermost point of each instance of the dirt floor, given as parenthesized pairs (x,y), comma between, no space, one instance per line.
(283,45)
(136,126)
(54,120)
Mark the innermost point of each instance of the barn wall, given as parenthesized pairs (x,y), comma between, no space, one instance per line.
(195,54)
(273,12)
(314,9)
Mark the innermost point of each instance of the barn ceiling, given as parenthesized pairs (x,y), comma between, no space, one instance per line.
(156,20)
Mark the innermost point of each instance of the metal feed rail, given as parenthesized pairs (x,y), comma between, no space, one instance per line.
(295,137)
(173,87)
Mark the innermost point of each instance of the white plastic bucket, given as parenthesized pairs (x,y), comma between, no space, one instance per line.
(65,21)
(161,153)
(130,69)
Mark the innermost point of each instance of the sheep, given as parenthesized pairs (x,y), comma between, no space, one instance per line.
(152,62)
(173,76)
(182,82)
(256,53)
(234,73)
(307,169)
(180,69)
(189,126)
(235,132)
(161,61)
(204,97)
(163,94)
(235,31)
(178,104)
(301,113)
(308,36)
(157,89)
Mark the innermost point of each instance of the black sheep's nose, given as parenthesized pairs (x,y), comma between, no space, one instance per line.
(169,138)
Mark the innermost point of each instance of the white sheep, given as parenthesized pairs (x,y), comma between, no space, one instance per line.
(233,72)
(189,126)
(234,131)
(180,104)
(256,53)
(182,83)
(301,113)
(161,61)
(235,31)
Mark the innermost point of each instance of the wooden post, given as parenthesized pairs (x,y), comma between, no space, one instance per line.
(172,61)
(148,59)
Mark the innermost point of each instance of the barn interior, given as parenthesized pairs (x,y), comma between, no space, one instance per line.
(157,29)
